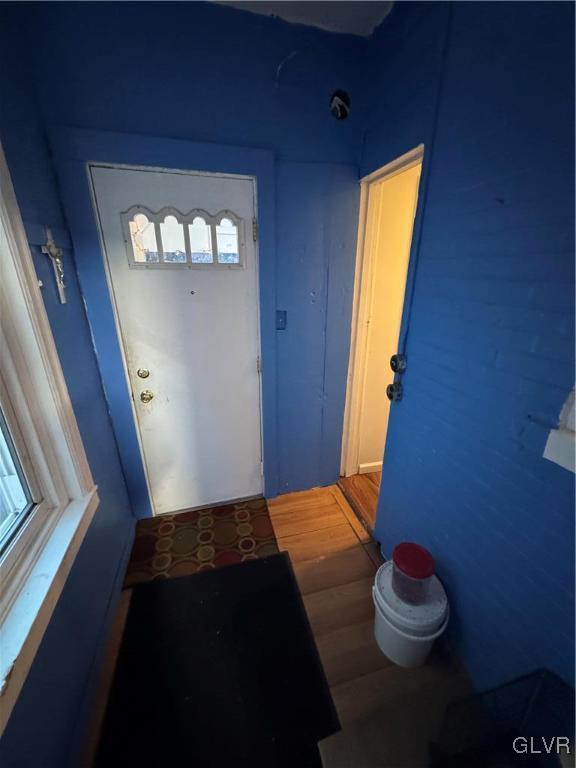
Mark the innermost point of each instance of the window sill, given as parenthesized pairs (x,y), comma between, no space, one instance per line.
(26,620)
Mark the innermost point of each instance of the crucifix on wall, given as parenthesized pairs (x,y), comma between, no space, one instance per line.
(55,255)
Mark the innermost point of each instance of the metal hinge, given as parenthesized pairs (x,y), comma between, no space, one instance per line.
(258,364)
(255,229)
(262,469)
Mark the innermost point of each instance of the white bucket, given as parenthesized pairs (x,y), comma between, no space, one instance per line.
(406,650)
(405,632)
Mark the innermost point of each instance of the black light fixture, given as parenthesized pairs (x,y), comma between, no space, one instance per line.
(340,105)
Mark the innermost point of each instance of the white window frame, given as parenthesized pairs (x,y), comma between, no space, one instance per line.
(35,401)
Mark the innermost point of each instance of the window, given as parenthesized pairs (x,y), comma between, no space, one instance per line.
(15,495)
(200,241)
(143,234)
(168,238)
(47,495)
(172,238)
(227,239)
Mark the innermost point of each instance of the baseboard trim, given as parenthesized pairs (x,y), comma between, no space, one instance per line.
(374,466)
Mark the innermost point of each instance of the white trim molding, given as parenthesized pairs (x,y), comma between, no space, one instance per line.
(36,405)
(561,444)
(373,466)
(349,464)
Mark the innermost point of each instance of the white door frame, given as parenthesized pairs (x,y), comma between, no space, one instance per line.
(360,308)
(119,333)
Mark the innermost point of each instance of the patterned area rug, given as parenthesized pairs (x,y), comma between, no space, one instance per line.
(201,540)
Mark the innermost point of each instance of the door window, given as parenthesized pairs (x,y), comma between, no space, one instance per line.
(172,238)
(227,239)
(143,239)
(200,234)
(169,238)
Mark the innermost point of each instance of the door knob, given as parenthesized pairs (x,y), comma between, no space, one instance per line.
(146,396)
(143,373)
(398,363)
(394,391)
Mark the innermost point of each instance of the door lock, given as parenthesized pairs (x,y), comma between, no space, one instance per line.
(394,391)
(146,396)
(143,373)
(398,363)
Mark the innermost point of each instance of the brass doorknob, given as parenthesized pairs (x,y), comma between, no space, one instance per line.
(146,396)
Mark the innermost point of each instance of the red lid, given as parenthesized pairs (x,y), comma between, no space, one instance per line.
(413,560)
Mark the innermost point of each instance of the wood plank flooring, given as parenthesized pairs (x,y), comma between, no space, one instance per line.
(381,706)
(335,560)
(323,572)
(361,491)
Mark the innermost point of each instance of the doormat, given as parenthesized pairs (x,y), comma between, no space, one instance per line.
(218,670)
(200,540)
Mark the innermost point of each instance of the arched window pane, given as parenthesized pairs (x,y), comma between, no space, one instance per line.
(200,241)
(172,234)
(227,241)
(144,246)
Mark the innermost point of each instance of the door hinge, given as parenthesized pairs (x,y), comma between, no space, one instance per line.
(262,469)
(255,229)
(258,364)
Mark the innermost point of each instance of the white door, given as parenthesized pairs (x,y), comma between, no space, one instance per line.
(391,211)
(182,270)
(388,206)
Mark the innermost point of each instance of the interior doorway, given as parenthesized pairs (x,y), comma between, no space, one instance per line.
(387,209)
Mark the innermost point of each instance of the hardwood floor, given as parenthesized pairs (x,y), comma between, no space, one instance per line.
(362,492)
(379,704)
(334,560)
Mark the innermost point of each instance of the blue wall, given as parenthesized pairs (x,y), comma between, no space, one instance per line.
(157,72)
(488,87)
(46,726)
(267,86)
(317,222)
(195,71)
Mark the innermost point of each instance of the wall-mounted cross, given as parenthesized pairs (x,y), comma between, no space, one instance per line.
(55,255)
